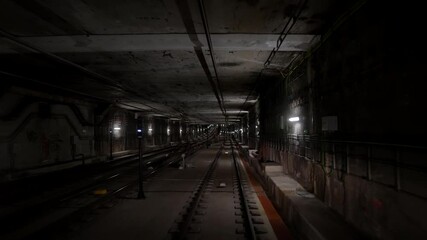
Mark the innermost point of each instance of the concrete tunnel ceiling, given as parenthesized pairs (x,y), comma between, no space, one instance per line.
(153,55)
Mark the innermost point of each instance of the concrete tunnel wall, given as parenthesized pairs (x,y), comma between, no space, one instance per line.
(37,131)
(41,132)
(122,125)
(356,89)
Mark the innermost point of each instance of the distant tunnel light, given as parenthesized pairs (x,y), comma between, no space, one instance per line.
(294,119)
(139,130)
(150,129)
(116,128)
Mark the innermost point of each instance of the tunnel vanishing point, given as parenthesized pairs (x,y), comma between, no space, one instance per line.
(311,111)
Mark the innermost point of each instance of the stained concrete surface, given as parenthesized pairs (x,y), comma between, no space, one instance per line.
(152,217)
(308,216)
(166,194)
(156,51)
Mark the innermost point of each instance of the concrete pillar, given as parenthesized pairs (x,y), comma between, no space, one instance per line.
(148,141)
(165,129)
(168,131)
(180,131)
(241,130)
(192,130)
(150,131)
(184,132)
(198,130)
(174,126)
(252,129)
(245,129)
(160,131)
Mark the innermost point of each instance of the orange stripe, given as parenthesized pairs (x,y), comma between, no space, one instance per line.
(279,227)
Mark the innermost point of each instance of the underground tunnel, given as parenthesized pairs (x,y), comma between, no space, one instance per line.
(212,119)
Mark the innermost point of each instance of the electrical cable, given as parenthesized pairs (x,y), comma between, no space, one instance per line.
(209,40)
(284,33)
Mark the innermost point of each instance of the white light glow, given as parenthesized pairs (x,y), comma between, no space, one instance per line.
(139,130)
(117,128)
(294,119)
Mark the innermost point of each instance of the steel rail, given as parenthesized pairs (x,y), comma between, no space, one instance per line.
(45,207)
(248,219)
(184,226)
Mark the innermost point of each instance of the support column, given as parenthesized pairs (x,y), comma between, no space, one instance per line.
(245,129)
(252,129)
(168,131)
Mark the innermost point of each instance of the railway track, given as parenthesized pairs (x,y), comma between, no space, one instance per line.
(249,232)
(185,226)
(191,224)
(45,219)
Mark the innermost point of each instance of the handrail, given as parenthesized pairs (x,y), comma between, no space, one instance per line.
(313,148)
(311,138)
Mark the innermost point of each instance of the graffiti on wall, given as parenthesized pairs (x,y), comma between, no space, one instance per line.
(50,144)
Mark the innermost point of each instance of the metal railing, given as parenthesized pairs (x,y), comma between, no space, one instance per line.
(403,167)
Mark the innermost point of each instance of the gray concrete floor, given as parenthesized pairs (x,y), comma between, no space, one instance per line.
(151,218)
(166,194)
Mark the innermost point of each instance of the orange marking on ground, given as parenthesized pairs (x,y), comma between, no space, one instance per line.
(279,227)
